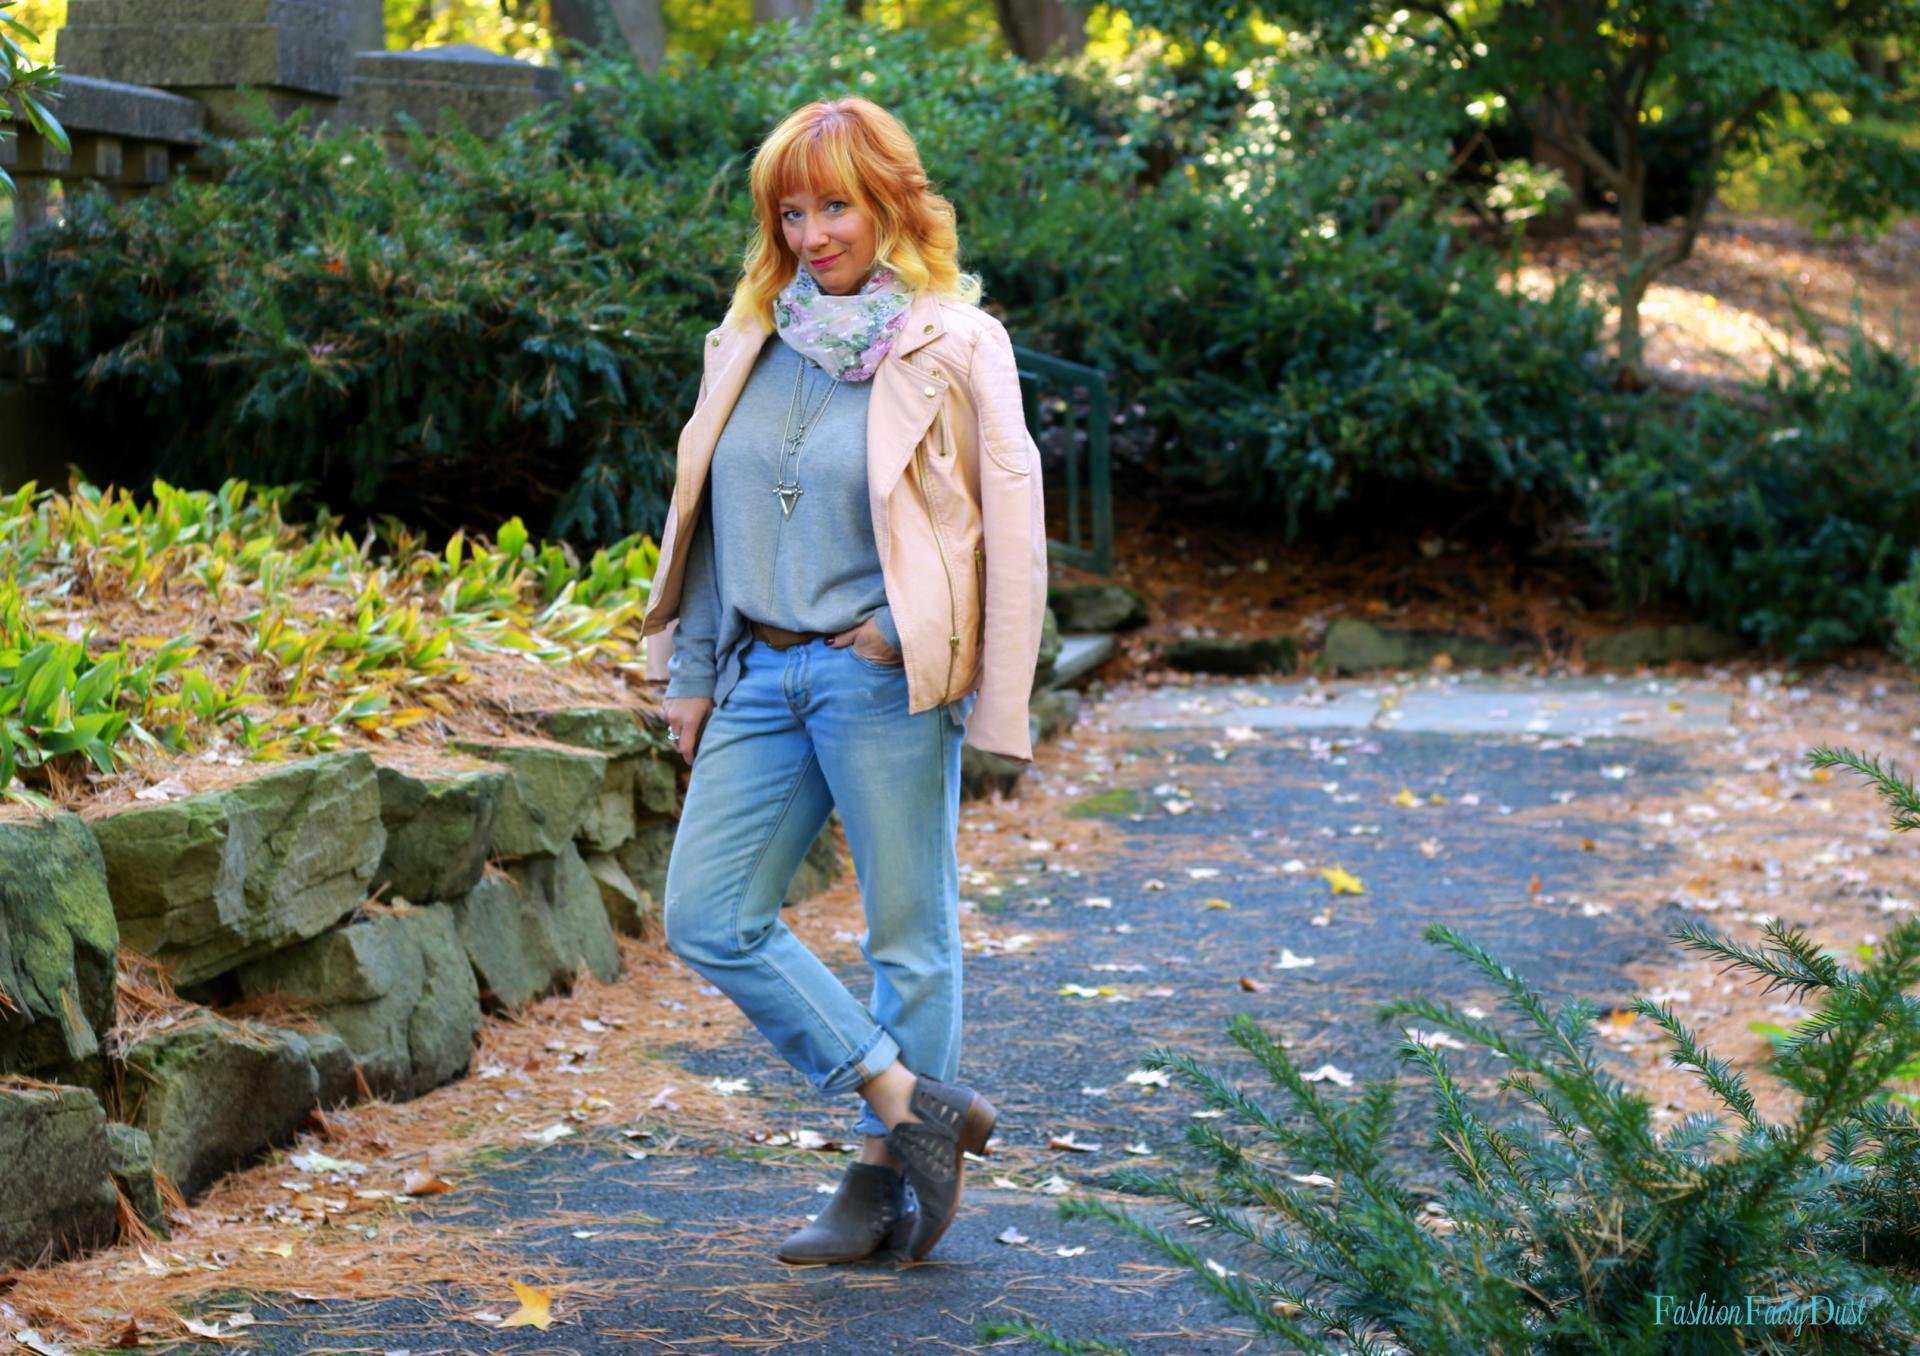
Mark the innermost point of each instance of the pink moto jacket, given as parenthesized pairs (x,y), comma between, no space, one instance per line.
(954,485)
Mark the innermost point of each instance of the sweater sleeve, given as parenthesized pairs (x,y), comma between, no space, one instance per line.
(692,665)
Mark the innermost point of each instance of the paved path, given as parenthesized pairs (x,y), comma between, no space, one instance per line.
(1271,775)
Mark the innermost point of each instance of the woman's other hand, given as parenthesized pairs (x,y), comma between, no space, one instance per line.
(687,717)
(875,647)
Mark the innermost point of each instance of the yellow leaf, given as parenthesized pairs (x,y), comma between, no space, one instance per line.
(1436,798)
(1341,882)
(1621,1018)
(535,1309)
(1214,903)
(1406,798)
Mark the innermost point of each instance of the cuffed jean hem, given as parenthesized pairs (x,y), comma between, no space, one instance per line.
(870,1061)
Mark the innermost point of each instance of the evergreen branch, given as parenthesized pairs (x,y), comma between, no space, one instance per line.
(1896,791)
(1050,1339)
(1718,1075)
(1792,963)
(1232,1289)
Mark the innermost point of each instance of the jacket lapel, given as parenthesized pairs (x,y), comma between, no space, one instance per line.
(729,363)
(906,398)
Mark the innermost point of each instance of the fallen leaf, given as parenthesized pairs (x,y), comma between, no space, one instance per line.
(1289,961)
(33,1341)
(1327,1073)
(424,1184)
(1010,1235)
(1322,919)
(1214,902)
(1203,872)
(1406,798)
(1341,882)
(535,1311)
(1533,885)
(557,1131)
(1153,1078)
(1312,1178)
(319,1162)
(1253,985)
(1069,1252)
(1067,1141)
(1139,1148)
(729,1087)
(1431,848)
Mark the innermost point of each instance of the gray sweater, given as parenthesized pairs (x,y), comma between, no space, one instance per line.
(816,571)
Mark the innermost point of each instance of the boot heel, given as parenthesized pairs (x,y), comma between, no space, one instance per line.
(979,1123)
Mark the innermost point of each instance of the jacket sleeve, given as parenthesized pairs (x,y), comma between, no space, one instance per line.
(692,665)
(1013,518)
(659,646)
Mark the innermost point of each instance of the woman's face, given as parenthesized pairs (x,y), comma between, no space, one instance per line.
(832,238)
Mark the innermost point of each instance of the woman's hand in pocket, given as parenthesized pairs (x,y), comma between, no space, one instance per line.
(687,718)
(875,649)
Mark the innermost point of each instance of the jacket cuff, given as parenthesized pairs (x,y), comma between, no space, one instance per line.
(692,686)
(883,619)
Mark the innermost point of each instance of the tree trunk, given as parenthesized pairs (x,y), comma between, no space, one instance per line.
(1631,277)
(1036,29)
(1553,117)
(632,25)
(766,11)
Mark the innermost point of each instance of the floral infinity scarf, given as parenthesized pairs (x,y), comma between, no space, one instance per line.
(849,335)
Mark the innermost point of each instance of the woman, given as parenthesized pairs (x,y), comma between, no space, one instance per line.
(852,578)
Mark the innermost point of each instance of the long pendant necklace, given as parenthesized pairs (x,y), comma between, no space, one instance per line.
(795,437)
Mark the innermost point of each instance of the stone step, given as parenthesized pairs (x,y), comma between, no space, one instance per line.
(1079,655)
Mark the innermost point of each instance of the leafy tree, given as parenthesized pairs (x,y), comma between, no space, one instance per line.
(1738,68)
(25,85)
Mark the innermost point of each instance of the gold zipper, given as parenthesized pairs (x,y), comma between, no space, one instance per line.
(953,607)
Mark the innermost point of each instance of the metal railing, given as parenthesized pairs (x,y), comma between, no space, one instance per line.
(1073,392)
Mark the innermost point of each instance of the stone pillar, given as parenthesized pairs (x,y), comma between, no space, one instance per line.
(294,52)
(367,26)
(482,89)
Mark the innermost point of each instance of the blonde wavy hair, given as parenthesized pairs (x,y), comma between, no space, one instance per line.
(854,147)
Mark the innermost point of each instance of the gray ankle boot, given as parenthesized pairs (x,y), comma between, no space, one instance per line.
(949,1121)
(867,1213)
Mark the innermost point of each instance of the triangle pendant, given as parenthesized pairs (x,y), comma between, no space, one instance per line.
(787,498)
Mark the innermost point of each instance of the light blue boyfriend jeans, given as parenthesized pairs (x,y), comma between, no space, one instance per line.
(806,729)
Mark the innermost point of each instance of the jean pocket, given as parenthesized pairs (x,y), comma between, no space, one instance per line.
(892,666)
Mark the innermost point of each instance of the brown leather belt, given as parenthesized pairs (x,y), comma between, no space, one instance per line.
(781,638)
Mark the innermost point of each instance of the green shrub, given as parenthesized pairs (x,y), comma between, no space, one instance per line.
(1253,254)
(1785,515)
(1555,1233)
(1905,602)
(449,336)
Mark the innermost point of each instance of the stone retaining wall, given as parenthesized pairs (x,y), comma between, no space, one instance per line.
(395,907)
